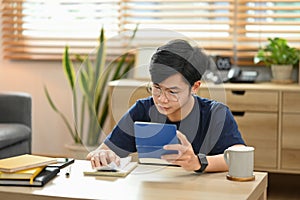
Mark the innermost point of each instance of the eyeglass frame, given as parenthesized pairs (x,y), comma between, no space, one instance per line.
(161,91)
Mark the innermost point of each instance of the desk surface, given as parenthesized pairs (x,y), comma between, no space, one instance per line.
(133,83)
(145,182)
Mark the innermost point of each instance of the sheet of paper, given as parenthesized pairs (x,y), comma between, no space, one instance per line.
(113,166)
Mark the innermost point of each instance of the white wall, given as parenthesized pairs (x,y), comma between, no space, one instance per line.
(49,133)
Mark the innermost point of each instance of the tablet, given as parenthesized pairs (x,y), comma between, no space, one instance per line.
(150,139)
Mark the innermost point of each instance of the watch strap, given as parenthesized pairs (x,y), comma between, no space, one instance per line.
(203,162)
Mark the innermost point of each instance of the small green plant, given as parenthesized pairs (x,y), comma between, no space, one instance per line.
(277,52)
(91,106)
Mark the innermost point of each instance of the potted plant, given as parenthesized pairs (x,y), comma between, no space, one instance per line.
(90,96)
(280,56)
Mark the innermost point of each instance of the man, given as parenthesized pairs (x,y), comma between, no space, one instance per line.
(205,127)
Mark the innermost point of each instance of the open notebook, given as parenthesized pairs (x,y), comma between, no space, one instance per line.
(126,166)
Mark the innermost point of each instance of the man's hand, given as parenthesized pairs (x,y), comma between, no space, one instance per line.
(102,156)
(186,157)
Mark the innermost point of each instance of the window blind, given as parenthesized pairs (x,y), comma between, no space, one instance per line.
(209,23)
(258,20)
(38,29)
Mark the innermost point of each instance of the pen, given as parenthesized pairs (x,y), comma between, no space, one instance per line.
(68,172)
(107,170)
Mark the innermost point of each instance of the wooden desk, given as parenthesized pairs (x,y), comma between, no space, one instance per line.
(145,182)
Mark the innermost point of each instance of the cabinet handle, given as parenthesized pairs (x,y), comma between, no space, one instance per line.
(238,113)
(238,92)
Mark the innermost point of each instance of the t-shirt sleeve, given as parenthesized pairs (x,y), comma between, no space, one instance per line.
(230,134)
(121,140)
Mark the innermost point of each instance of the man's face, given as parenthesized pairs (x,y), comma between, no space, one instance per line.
(171,95)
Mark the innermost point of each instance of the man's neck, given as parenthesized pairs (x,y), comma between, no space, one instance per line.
(184,112)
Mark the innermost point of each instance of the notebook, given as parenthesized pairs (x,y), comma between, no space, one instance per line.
(27,174)
(47,174)
(25,161)
(126,166)
(150,139)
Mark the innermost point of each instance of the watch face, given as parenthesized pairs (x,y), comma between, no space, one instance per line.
(202,158)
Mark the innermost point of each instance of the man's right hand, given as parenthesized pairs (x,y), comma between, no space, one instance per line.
(102,156)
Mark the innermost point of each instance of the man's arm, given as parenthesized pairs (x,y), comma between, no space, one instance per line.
(216,163)
(102,156)
(189,161)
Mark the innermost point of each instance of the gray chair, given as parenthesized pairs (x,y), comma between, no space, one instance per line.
(15,124)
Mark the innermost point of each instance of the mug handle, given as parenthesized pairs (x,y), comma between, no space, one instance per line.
(226,156)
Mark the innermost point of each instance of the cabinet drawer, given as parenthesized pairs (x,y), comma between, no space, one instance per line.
(244,100)
(291,102)
(260,131)
(290,131)
(290,159)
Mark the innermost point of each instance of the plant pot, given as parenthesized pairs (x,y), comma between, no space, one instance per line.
(79,151)
(282,73)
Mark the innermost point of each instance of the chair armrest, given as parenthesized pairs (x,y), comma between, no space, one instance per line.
(15,107)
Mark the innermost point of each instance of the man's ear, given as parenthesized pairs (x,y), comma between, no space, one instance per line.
(196,87)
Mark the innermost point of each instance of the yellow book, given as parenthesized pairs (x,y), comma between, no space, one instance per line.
(22,162)
(28,174)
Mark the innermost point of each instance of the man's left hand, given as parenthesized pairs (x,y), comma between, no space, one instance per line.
(186,157)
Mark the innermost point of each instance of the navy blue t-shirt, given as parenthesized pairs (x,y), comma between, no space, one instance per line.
(209,127)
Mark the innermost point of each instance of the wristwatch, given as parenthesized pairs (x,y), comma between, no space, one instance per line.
(203,162)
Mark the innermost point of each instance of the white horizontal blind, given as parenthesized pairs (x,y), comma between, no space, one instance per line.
(210,23)
(258,20)
(38,29)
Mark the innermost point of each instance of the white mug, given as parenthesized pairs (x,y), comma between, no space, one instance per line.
(240,161)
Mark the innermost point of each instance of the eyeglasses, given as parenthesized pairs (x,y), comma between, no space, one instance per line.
(169,94)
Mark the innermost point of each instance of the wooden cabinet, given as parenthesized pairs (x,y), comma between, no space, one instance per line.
(268,116)
(256,113)
(260,131)
(291,102)
(290,151)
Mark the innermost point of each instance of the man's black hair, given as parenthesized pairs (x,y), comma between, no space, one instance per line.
(178,56)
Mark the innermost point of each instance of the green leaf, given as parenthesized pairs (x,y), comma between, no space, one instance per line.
(83,81)
(92,79)
(277,51)
(101,85)
(50,99)
(100,56)
(90,74)
(68,68)
(64,118)
(129,66)
(119,66)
